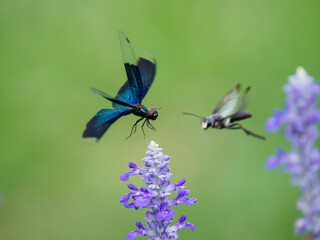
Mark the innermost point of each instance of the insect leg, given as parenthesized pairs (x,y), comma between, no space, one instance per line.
(144,135)
(233,126)
(150,126)
(239,126)
(134,126)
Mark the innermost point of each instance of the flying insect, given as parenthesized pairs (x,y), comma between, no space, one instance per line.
(140,76)
(228,112)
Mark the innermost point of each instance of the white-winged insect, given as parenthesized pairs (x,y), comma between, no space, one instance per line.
(228,112)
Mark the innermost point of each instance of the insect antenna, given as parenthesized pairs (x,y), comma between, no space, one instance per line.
(192,114)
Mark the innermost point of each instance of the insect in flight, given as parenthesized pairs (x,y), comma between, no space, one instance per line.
(228,112)
(140,76)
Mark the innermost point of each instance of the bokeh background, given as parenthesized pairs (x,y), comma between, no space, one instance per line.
(54,186)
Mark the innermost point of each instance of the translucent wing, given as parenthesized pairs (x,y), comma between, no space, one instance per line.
(228,104)
(128,54)
(240,114)
(134,89)
(147,68)
(100,123)
(244,100)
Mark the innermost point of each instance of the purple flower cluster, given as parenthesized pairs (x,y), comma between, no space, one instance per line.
(299,117)
(155,197)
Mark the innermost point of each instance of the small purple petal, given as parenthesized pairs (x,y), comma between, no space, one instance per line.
(189,225)
(181,182)
(272,162)
(125,197)
(182,193)
(274,123)
(181,224)
(133,235)
(140,225)
(189,201)
(132,187)
(124,177)
(141,201)
(125,200)
(300,226)
(164,158)
(182,219)
(144,190)
(275,161)
(164,215)
(132,165)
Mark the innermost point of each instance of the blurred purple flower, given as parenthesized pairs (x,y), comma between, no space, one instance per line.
(155,197)
(299,117)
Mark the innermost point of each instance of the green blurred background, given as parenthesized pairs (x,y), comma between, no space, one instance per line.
(54,186)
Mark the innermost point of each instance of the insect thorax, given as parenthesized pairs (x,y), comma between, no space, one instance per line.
(141,110)
(218,121)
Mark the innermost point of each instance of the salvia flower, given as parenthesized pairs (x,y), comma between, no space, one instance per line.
(155,197)
(299,118)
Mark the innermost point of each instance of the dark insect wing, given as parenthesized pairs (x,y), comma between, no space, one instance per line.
(147,68)
(133,73)
(228,104)
(125,95)
(240,115)
(100,123)
(119,104)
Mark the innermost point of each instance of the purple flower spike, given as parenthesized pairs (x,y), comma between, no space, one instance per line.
(155,197)
(299,118)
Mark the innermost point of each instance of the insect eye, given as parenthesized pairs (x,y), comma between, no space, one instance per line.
(204,124)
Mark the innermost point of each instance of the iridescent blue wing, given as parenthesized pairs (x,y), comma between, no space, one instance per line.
(228,105)
(116,103)
(100,123)
(147,68)
(125,95)
(132,90)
